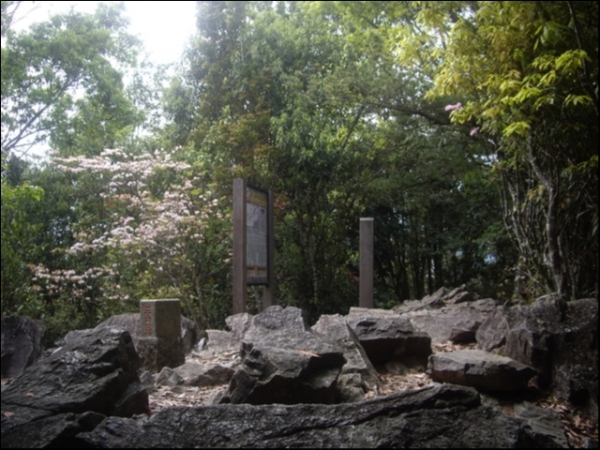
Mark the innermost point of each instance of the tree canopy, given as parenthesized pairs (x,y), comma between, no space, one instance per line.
(63,80)
(468,130)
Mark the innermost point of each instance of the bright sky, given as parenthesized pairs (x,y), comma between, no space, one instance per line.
(164,27)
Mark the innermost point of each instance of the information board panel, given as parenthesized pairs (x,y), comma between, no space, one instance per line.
(257,232)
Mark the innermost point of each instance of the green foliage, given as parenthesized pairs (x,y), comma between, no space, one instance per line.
(308,100)
(325,104)
(17,242)
(61,80)
(527,73)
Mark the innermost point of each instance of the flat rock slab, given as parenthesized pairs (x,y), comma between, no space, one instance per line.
(439,416)
(479,369)
(387,336)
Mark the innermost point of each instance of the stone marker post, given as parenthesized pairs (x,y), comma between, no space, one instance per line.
(160,343)
(366,262)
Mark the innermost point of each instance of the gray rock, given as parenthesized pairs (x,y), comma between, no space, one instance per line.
(48,431)
(357,361)
(111,433)
(220,340)
(238,324)
(408,306)
(542,421)
(193,374)
(154,353)
(147,381)
(435,300)
(21,344)
(283,361)
(168,377)
(73,389)
(201,345)
(212,376)
(388,336)
(440,298)
(457,322)
(439,416)
(479,369)
(559,340)
(459,295)
(350,388)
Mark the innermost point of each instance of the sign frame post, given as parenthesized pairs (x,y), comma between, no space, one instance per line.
(366,262)
(253,244)
(239,246)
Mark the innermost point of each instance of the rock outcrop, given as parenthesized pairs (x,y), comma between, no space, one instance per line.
(558,339)
(335,328)
(439,416)
(386,336)
(284,361)
(73,390)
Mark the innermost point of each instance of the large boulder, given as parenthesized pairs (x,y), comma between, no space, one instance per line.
(21,344)
(72,390)
(386,336)
(559,339)
(438,416)
(335,328)
(349,387)
(479,369)
(283,361)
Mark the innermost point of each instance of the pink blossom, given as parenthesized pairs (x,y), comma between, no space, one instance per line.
(453,107)
(474,131)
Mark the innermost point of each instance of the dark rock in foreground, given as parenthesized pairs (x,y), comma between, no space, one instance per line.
(438,416)
(72,390)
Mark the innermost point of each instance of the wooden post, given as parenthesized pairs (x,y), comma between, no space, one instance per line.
(269,289)
(366,262)
(239,246)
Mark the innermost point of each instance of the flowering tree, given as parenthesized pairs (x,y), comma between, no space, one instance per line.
(162,234)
